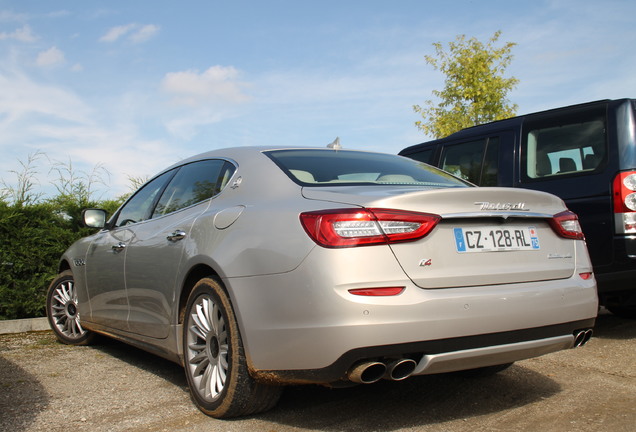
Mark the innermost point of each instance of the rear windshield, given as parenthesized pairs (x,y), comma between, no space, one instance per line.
(316,167)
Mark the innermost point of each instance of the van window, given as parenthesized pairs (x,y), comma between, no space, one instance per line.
(422,156)
(475,161)
(571,147)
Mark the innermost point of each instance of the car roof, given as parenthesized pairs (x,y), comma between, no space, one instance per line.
(241,153)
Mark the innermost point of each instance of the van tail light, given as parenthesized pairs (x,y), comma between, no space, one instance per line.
(624,192)
(566,224)
(341,228)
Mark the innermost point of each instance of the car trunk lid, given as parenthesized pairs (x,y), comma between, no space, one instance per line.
(486,236)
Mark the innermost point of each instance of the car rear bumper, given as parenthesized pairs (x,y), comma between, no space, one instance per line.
(306,319)
(440,356)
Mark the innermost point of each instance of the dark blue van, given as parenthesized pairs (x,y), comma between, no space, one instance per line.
(585,154)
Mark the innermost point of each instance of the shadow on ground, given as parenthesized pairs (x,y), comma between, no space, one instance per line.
(610,326)
(418,401)
(22,397)
(162,368)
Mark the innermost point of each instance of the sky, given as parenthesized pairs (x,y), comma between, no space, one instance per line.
(126,88)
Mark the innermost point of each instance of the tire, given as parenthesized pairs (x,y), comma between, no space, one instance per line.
(62,311)
(483,371)
(623,311)
(214,358)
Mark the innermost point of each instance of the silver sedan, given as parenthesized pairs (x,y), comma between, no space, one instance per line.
(259,267)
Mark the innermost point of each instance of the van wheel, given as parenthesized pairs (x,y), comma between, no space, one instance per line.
(623,311)
(214,358)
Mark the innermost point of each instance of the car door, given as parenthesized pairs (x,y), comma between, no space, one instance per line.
(155,253)
(105,260)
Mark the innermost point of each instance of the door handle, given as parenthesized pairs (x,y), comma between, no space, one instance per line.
(119,247)
(176,236)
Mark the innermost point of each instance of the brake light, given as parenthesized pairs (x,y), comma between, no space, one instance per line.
(566,224)
(341,228)
(624,192)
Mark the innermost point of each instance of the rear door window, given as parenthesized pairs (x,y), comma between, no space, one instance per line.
(194,183)
(139,207)
(565,146)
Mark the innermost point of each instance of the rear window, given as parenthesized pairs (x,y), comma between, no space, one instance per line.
(316,167)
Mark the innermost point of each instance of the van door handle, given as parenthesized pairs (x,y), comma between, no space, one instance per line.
(119,247)
(176,236)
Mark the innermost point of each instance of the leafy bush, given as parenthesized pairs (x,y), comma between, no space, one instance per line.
(33,238)
(34,232)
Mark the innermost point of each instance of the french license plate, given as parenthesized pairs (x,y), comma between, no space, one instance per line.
(496,239)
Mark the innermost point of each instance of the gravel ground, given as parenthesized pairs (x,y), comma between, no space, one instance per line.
(46,386)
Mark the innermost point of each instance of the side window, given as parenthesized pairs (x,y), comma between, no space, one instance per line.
(575,144)
(475,161)
(194,183)
(422,156)
(138,208)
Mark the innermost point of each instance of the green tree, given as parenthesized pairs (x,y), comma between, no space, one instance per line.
(475,90)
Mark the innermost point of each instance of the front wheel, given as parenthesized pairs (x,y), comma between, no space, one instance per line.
(214,358)
(62,311)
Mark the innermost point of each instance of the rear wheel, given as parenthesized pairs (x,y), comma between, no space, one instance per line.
(214,358)
(62,311)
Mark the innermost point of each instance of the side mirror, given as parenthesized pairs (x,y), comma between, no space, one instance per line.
(94,218)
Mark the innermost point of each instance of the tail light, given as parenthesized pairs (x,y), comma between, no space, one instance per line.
(342,228)
(566,224)
(624,192)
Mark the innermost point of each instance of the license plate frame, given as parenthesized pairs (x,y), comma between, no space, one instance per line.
(496,239)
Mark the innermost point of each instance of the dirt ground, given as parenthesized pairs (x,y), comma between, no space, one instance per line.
(46,386)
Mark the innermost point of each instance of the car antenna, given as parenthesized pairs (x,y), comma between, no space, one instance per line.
(335,144)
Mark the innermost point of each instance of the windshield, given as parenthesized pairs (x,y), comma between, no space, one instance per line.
(317,167)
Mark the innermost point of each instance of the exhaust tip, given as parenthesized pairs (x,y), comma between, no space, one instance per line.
(367,372)
(400,369)
(582,337)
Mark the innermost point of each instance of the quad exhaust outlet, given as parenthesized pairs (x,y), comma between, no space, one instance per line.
(372,371)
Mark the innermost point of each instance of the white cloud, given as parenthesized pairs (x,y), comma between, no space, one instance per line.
(23,34)
(135,33)
(8,16)
(62,125)
(115,33)
(21,96)
(216,84)
(51,57)
(144,33)
(200,99)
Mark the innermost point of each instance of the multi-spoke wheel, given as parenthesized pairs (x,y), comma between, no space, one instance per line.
(63,313)
(215,364)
